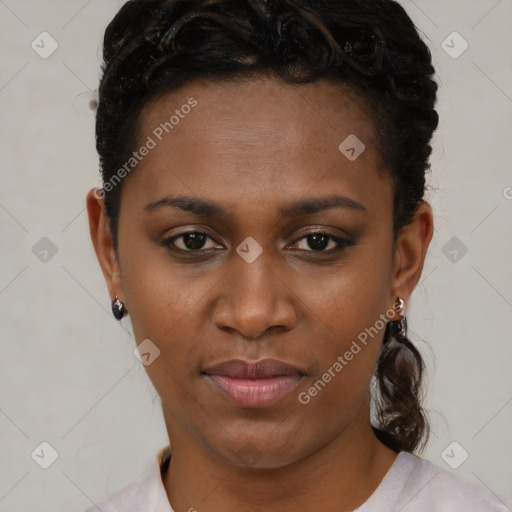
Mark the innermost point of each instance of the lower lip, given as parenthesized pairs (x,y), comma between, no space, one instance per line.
(255,392)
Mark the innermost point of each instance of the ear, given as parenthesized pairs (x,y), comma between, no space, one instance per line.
(102,242)
(411,249)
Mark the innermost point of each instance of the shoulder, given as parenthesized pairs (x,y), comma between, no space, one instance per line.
(144,495)
(431,488)
(127,499)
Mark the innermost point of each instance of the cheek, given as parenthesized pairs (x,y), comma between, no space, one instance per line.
(159,294)
(349,298)
(166,304)
(348,307)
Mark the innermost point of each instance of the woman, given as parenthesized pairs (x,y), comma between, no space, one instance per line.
(262,222)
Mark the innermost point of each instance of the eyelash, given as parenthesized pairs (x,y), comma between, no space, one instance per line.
(341,242)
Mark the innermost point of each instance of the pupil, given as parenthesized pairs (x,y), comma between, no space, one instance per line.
(194,240)
(315,244)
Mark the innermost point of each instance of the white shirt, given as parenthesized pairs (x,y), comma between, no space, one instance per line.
(411,484)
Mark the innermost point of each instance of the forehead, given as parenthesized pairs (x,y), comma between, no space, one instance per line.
(253,110)
(243,136)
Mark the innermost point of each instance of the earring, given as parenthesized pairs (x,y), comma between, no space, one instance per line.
(117,308)
(399,327)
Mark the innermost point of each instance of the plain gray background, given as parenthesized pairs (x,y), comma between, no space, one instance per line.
(68,374)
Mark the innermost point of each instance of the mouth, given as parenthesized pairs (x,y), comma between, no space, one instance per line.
(254,384)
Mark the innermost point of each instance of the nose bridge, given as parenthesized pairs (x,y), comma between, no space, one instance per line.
(255,280)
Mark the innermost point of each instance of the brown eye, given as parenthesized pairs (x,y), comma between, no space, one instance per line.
(319,242)
(190,241)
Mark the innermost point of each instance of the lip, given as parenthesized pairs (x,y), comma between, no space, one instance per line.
(254,384)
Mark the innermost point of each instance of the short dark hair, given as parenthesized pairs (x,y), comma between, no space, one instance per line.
(152,47)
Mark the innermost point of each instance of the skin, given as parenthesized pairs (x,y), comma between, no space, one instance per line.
(252,147)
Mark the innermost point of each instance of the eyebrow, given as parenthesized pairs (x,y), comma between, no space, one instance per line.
(204,207)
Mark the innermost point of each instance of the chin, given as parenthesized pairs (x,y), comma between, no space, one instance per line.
(266,451)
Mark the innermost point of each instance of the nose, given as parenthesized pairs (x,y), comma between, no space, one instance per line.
(254,298)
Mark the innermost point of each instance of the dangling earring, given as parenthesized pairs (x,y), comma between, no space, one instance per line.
(117,308)
(399,327)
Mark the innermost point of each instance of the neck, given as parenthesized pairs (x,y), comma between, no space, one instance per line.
(340,476)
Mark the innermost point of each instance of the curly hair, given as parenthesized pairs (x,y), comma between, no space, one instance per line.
(152,47)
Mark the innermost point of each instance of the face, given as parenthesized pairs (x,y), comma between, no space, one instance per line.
(246,234)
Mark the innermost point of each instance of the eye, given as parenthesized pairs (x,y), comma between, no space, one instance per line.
(197,241)
(191,241)
(319,241)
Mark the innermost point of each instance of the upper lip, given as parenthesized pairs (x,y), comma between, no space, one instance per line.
(264,368)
